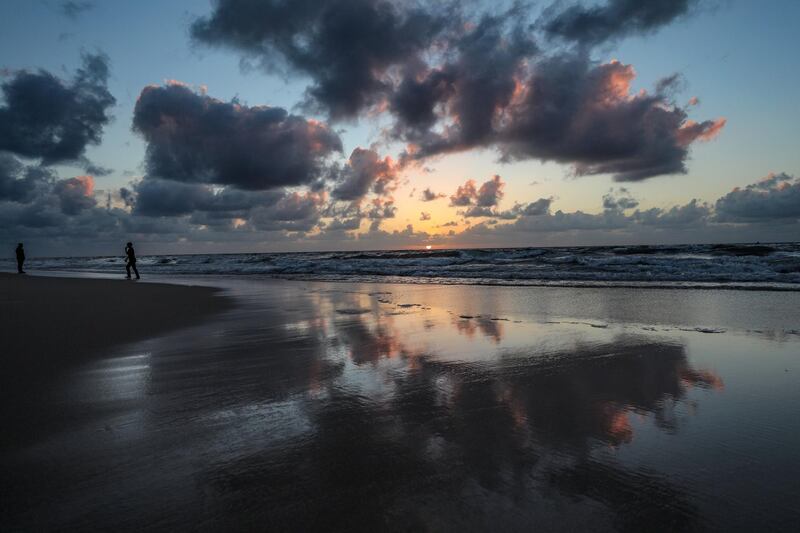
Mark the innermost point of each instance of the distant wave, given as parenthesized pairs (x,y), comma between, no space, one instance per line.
(733,266)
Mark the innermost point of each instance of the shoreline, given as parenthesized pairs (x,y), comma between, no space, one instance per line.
(165,278)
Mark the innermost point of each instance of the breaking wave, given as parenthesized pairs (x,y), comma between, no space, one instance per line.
(740,266)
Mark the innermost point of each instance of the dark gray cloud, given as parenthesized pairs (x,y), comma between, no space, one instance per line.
(293,212)
(381,209)
(156,197)
(343,224)
(576,112)
(472,88)
(44,117)
(488,195)
(73,9)
(619,200)
(613,19)
(478,211)
(192,137)
(537,208)
(775,197)
(491,192)
(455,79)
(564,108)
(464,195)
(345,46)
(21,183)
(428,195)
(96,170)
(364,172)
(693,213)
(75,194)
(691,216)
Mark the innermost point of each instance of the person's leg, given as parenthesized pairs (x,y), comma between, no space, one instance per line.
(136,271)
(128,270)
(19,267)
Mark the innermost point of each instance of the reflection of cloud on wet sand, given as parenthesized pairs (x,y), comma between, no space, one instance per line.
(489,327)
(452,435)
(306,418)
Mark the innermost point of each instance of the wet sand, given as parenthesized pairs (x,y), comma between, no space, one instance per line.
(50,325)
(336,406)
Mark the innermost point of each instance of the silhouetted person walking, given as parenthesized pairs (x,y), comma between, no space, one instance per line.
(20,258)
(130,263)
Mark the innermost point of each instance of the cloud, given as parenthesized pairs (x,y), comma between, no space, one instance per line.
(156,197)
(454,78)
(47,118)
(294,212)
(537,208)
(470,91)
(689,214)
(63,214)
(531,209)
(345,46)
(381,210)
(21,183)
(491,192)
(464,195)
(364,172)
(96,170)
(619,201)
(563,108)
(576,112)
(478,211)
(488,195)
(192,137)
(344,224)
(75,194)
(72,9)
(614,19)
(608,224)
(775,197)
(424,216)
(428,195)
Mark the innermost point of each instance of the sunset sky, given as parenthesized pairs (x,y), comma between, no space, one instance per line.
(243,125)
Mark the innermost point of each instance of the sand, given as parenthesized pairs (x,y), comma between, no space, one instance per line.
(341,407)
(51,325)
(50,322)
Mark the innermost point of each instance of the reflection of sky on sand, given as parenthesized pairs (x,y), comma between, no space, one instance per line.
(334,406)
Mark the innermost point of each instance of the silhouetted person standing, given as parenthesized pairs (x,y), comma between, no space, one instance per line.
(20,258)
(130,258)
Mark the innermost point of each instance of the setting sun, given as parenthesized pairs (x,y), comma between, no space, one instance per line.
(427,246)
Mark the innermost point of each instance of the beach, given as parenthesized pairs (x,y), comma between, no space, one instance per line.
(224,402)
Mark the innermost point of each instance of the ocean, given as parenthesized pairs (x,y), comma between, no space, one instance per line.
(774,266)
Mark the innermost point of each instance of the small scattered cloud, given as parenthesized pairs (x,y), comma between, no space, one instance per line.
(73,9)
(428,195)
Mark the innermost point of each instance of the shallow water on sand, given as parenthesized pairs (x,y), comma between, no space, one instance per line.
(338,406)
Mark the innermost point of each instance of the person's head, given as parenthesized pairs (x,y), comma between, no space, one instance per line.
(19,245)
(129,245)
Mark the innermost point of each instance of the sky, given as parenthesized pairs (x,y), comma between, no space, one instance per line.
(242,126)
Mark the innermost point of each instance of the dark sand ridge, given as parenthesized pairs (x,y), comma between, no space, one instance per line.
(51,324)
